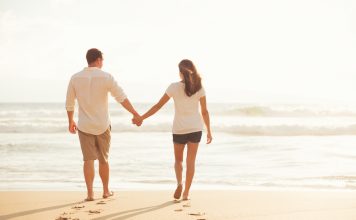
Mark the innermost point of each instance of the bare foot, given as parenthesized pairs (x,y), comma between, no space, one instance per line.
(88,199)
(107,195)
(178,192)
(185,196)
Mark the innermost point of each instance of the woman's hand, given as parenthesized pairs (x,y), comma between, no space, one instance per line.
(209,138)
(137,120)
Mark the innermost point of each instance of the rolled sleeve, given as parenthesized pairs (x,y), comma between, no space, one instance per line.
(116,91)
(70,99)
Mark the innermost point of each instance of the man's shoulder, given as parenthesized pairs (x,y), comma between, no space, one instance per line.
(96,73)
(105,74)
(78,74)
(101,74)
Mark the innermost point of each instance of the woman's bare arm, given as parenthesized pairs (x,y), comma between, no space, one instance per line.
(165,98)
(206,117)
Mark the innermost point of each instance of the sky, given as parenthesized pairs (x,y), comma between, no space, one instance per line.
(246,51)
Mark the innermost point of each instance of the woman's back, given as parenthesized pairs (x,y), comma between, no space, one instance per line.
(187,117)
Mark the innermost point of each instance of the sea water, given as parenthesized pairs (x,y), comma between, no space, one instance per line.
(255,146)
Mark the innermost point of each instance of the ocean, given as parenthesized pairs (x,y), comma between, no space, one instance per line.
(255,146)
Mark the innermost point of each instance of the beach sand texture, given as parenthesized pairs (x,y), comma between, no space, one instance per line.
(212,205)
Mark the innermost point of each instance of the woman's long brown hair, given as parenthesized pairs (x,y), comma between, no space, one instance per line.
(192,79)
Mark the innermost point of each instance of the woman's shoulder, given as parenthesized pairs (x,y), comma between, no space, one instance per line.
(173,88)
(175,84)
(179,83)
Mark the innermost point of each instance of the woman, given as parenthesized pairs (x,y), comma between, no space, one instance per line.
(187,125)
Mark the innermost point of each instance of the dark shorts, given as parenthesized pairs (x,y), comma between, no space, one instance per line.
(194,137)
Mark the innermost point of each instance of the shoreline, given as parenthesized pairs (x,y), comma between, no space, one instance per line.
(195,187)
(159,205)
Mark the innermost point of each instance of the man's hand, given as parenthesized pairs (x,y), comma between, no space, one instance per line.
(72,127)
(137,120)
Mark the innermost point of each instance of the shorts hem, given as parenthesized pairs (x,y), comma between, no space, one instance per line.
(87,159)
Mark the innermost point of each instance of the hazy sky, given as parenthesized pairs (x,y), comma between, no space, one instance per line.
(246,51)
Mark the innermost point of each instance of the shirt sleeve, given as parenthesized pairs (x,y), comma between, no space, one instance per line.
(170,90)
(116,91)
(70,99)
(201,92)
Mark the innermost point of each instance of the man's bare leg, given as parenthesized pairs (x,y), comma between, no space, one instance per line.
(104,175)
(89,173)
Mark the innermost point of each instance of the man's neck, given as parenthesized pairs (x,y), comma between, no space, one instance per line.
(94,66)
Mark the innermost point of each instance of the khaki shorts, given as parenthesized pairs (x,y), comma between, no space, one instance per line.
(95,146)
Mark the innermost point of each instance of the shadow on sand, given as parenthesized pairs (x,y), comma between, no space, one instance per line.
(134,212)
(33,211)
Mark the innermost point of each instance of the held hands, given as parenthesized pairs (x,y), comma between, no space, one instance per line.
(137,120)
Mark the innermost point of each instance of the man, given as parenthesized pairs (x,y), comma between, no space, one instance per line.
(91,87)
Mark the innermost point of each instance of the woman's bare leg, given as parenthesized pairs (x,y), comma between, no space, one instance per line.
(191,155)
(178,167)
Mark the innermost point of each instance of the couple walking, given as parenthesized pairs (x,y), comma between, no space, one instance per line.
(90,87)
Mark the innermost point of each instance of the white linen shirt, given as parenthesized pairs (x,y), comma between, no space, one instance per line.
(91,87)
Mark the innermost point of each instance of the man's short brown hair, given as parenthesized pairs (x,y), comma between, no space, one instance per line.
(93,54)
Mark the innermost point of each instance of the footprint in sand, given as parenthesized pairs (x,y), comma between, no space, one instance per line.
(186,205)
(77,207)
(197,213)
(64,217)
(178,210)
(101,203)
(94,211)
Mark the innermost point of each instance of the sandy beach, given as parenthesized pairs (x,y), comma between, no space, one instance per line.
(212,205)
